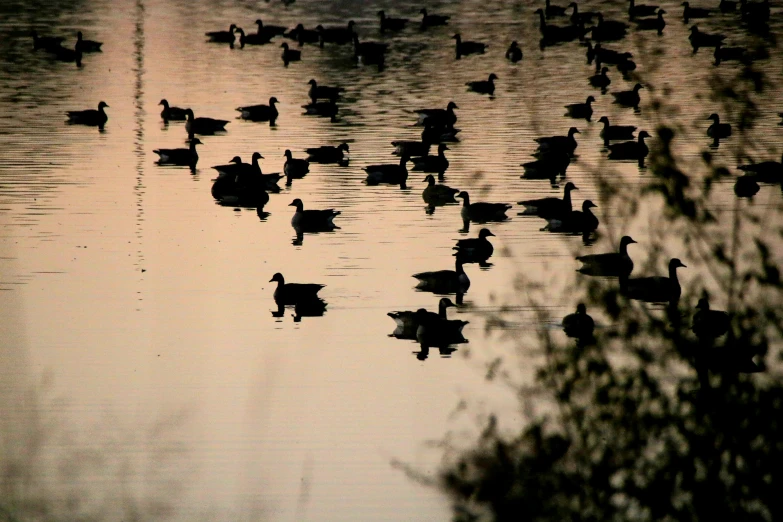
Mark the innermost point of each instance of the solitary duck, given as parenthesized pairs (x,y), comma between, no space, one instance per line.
(437,164)
(295,167)
(699,39)
(90,117)
(581,110)
(408,322)
(323,92)
(203,125)
(652,24)
(438,117)
(47,43)
(689,12)
(612,264)
(181,157)
(481,212)
(437,194)
(483,86)
(432,20)
(467,47)
(391,24)
(87,46)
(312,220)
(388,173)
(718,130)
(575,222)
(444,281)
(327,154)
(514,53)
(640,10)
(222,36)
(170,113)
(260,112)
(708,324)
(766,171)
(601,80)
(549,208)
(725,54)
(292,293)
(563,144)
(476,249)
(628,98)
(656,289)
(579,325)
(290,55)
(615,132)
(630,150)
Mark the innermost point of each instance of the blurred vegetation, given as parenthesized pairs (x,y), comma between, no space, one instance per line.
(647,422)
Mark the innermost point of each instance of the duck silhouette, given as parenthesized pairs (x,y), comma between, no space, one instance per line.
(612,264)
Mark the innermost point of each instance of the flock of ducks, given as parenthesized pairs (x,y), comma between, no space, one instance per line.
(244,184)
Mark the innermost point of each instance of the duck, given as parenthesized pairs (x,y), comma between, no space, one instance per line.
(336,35)
(444,281)
(391,24)
(551,9)
(746,186)
(481,212)
(565,144)
(699,39)
(575,222)
(604,55)
(292,293)
(222,36)
(514,53)
(245,193)
(628,98)
(47,43)
(689,12)
(656,289)
(432,20)
(579,325)
(295,167)
(725,54)
(235,167)
(553,34)
(652,24)
(270,30)
(476,249)
(640,10)
(370,52)
(433,331)
(708,324)
(170,113)
(601,80)
(290,55)
(323,92)
(549,208)
(260,112)
(583,17)
(437,164)
(438,117)
(408,322)
(615,132)
(242,180)
(437,194)
(718,130)
(67,55)
(327,109)
(483,86)
(302,35)
(312,220)
(625,67)
(548,166)
(388,173)
(87,46)
(465,48)
(327,153)
(612,264)
(630,150)
(181,157)
(90,117)
(608,30)
(581,110)
(253,39)
(203,125)
(438,134)
(766,171)
(411,148)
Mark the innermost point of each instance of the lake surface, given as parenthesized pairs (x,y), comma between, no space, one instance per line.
(140,311)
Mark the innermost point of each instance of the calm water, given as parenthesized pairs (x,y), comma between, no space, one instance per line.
(142,308)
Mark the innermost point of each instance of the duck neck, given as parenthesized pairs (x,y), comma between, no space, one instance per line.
(460,270)
(256,166)
(541,20)
(466,201)
(442,310)
(430,181)
(673,275)
(567,198)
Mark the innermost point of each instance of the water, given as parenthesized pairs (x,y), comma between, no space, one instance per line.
(149,305)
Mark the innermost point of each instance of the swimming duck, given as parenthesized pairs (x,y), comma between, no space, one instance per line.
(269,30)
(65,54)
(432,330)
(615,132)
(391,24)
(581,110)
(699,39)
(725,54)
(549,166)
(625,67)
(327,153)
(252,39)
(242,180)
(432,20)
(746,186)
(483,86)
(90,116)
(438,117)
(575,222)
(327,109)
(295,167)
(689,12)
(640,10)
(47,43)
(388,173)
(604,55)
(203,125)
(323,92)
(437,164)
(466,48)
(628,98)
(476,249)
(312,220)
(292,293)
(302,35)
(235,167)
(370,52)
(553,34)
(608,30)
(408,322)
(222,36)
(766,171)
(411,148)
(652,24)
(708,324)
(583,17)
(718,130)
(630,150)
(579,325)
(601,80)
(290,55)
(612,264)
(438,134)
(336,35)
(171,113)
(549,208)
(514,53)
(87,46)
(565,144)
(656,289)
(437,194)
(182,157)
(260,112)
(481,212)
(444,281)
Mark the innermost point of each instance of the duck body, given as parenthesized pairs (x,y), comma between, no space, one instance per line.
(203,125)
(238,178)
(465,48)
(290,55)
(549,208)
(746,186)
(335,35)
(548,166)
(559,144)
(411,148)
(754,12)
(444,281)
(438,194)
(766,171)
(369,52)
(389,173)
(432,20)
(222,36)
(408,322)
(554,34)
(438,134)
(170,113)
(477,249)
(708,324)
(293,293)
(575,222)
(481,212)
(600,80)
(302,36)
(689,12)
(181,157)
(581,110)
(253,38)
(604,55)
(295,167)
(326,109)
(313,220)
(726,54)
(483,86)
(551,9)
(616,132)
(91,117)
(718,130)
(514,53)
(87,46)
(65,54)
(635,10)
(327,153)
(391,24)
(579,325)
(612,264)
(437,164)
(438,117)
(608,30)
(656,289)
(630,150)
(699,39)
(323,92)
(628,98)
(260,112)
(47,43)
(652,24)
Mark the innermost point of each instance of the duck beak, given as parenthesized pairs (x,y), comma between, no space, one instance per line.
(271,280)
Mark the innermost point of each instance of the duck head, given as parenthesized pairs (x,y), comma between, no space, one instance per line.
(442,147)
(572,131)
(484,232)
(587,205)
(445,302)
(464,195)
(313,83)
(643,134)
(278,277)
(236,159)
(103,105)
(570,186)
(713,116)
(189,113)
(298,204)
(272,101)
(423,11)
(704,304)
(164,102)
(381,14)
(457,37)
(676,263)
(590,99)
(259,23)
(343,147)
(257,156)
(284,45)
(604,70)
(194,142)
(288,154)
(430,179)
(626,240)
(492,77)
(451,106)
(637,87)
(581,309)
(604,120)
